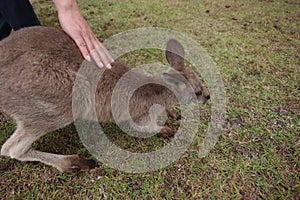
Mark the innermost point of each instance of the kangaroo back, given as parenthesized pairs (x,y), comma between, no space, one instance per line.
(36,62)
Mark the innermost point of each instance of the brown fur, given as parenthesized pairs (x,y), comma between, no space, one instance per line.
(38,67)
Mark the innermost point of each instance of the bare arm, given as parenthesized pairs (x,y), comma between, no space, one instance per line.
(73,23)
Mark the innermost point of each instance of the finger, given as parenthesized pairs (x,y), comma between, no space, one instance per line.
(93,52)
(105,59)
(82,47)
(110,58)
(95,56)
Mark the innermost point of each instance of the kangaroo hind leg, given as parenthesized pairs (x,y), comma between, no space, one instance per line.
(18,146)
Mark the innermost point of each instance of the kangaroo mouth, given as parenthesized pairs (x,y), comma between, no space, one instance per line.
(203,100)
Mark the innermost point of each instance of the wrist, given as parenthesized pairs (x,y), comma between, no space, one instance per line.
(64,5)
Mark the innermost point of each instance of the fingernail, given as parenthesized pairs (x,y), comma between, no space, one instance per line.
(108,66)
(88,58)
(101,64)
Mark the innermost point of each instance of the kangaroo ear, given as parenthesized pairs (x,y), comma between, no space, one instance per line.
(175,54)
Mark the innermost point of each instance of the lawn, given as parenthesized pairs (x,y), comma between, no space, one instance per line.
(255,45)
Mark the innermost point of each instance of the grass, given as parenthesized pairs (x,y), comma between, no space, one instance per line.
(256,47)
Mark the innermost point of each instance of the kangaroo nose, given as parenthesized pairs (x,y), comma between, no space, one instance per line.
(207,97)
(199,93)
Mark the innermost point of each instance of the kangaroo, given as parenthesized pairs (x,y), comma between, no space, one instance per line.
(38,67)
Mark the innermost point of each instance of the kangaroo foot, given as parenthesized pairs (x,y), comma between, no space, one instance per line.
(77,164)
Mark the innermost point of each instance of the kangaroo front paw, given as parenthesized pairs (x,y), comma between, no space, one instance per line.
(3,118)
(166,132)
(77,164)
(175,115)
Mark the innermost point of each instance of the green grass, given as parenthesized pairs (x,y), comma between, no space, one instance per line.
(256,47)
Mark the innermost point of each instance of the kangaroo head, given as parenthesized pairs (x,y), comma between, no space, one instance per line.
(175,56)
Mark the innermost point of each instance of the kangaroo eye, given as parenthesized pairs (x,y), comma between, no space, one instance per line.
(198,93)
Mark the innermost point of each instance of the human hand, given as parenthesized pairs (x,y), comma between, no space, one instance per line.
(73,23)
